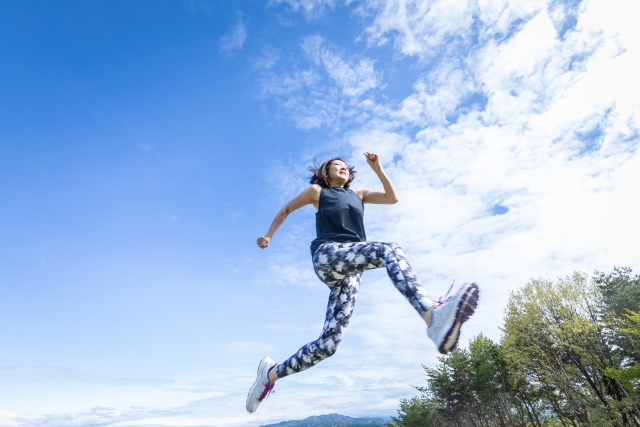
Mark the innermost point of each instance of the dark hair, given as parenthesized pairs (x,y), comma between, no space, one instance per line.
(321,173)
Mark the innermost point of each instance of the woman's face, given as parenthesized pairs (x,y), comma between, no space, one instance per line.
(338,173)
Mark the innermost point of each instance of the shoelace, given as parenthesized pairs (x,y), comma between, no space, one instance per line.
(442,300)
(266,392)
(269,388)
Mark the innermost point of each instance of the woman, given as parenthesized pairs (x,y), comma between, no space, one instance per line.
(340,255)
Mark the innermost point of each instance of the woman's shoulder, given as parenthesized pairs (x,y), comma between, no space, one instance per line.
(360,192)
(312,192)
(314,189)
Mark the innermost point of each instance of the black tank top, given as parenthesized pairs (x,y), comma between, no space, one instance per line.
(339,217)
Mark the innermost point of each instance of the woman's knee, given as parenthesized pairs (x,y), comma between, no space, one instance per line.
(330,351)
(392,247)
(330,346)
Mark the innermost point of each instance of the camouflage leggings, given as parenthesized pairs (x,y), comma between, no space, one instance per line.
(340,266)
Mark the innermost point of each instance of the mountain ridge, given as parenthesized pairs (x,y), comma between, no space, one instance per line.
(331,420)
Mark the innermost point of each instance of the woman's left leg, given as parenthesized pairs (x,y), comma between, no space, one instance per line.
(335,261)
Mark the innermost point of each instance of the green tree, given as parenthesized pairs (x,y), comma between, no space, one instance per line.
(556,334)
(419,412)
(621,290)
(629,375)
(472,386)
(621,294)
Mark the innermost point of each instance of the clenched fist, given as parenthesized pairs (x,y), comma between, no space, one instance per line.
(264,241)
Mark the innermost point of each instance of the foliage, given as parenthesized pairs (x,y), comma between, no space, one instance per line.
(418,412)
(620,289)
(629,376)
(557,334)
(567,357)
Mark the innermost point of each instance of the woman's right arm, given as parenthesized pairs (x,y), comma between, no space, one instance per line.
(310,195)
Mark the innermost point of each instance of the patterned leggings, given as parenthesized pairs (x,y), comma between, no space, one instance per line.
(340,266)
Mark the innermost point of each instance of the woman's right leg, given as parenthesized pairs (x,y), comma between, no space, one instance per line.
(339,309)
(342,299)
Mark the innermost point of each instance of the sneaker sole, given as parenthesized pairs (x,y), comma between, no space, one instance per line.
(262,367)
(466,307)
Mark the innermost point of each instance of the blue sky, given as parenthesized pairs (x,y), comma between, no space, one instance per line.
(144,146)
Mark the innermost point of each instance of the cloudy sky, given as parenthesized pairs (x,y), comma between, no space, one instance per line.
(144,146)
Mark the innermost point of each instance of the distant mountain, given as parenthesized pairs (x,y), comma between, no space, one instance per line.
(332,420)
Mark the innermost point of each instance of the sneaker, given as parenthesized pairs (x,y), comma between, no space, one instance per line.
(449,315)
(261,388)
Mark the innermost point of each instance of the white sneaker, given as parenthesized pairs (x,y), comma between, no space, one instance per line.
(449,315)
(261,386)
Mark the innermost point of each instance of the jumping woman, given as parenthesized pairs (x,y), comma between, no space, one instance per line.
(340,254)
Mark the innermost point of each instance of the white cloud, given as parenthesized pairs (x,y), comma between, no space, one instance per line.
(57,373)
(235,38)
(334,89)
(268,59)
(354,78)
(8,418)
(424,29)
(310,8)
(297,274)
(437,95)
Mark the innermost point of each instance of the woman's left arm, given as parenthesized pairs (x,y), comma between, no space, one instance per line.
(386,197)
